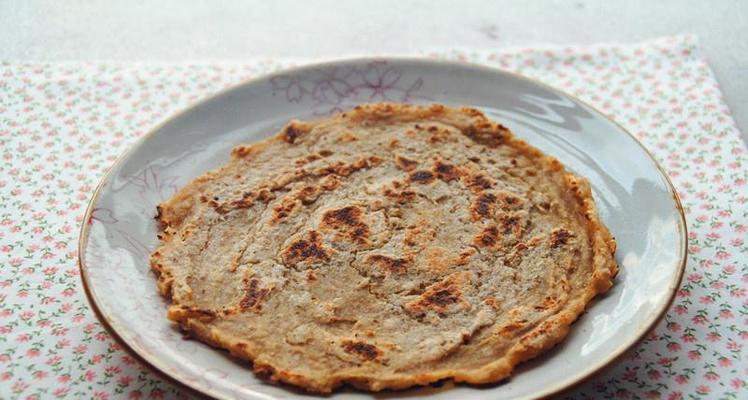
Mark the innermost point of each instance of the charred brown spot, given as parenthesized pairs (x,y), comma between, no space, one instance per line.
(349,220)
(401,197)
(350,216)
(311,275)
(413,232)
(484,206)
(292,132)
(493,303)
(347,137)
(440,296)
(344,169)
(511,224)
(514,258)
(509,201)
(446,172)
(407,195)
(464,257)
(243,151)
(510,327)
(560,237)
(389,264)
(284,209)
(331,182)
(254,295)
(307,195)
(364,350)
(306,249)
(438,135)
(473,112)
(487,134)
(185,312)
(443,298)
(246,201)
(479,182)
(222,208)
(549,302)
(422,177)
(487,237)
(265,196)
(305,160)
(405,164)
(394,144)
(325,153)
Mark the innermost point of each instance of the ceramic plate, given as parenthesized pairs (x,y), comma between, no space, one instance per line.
(635,199)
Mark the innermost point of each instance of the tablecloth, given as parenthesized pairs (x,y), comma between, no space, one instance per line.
(63,124)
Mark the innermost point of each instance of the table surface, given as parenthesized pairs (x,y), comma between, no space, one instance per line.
(175,30)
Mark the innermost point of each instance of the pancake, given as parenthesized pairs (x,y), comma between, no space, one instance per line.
(383,247)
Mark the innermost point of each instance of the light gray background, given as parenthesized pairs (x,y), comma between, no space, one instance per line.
(180,30)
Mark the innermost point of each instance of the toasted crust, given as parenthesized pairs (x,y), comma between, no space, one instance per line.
(385,247)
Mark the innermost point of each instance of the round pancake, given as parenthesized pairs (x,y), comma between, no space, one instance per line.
(384,247)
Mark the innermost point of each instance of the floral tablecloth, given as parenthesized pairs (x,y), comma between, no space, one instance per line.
(63,124)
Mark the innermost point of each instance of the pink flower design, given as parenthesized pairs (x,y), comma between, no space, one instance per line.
(653,394)
(39,375)
(664,361)
(713,337)
(54,360)
(711,376)
(101,395)
(734,346)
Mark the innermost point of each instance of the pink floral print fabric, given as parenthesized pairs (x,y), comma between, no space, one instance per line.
(63,125)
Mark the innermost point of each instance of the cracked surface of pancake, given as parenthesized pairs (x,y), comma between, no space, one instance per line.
(384,247)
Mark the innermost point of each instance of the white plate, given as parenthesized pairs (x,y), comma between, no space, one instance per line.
(635,199)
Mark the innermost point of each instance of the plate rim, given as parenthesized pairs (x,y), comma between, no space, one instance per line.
(152,363)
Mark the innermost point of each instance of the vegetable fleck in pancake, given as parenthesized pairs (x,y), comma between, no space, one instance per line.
(384,247)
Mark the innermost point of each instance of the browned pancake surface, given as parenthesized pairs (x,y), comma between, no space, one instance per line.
(384,247)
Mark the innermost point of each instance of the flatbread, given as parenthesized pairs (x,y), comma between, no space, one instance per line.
(384,247)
